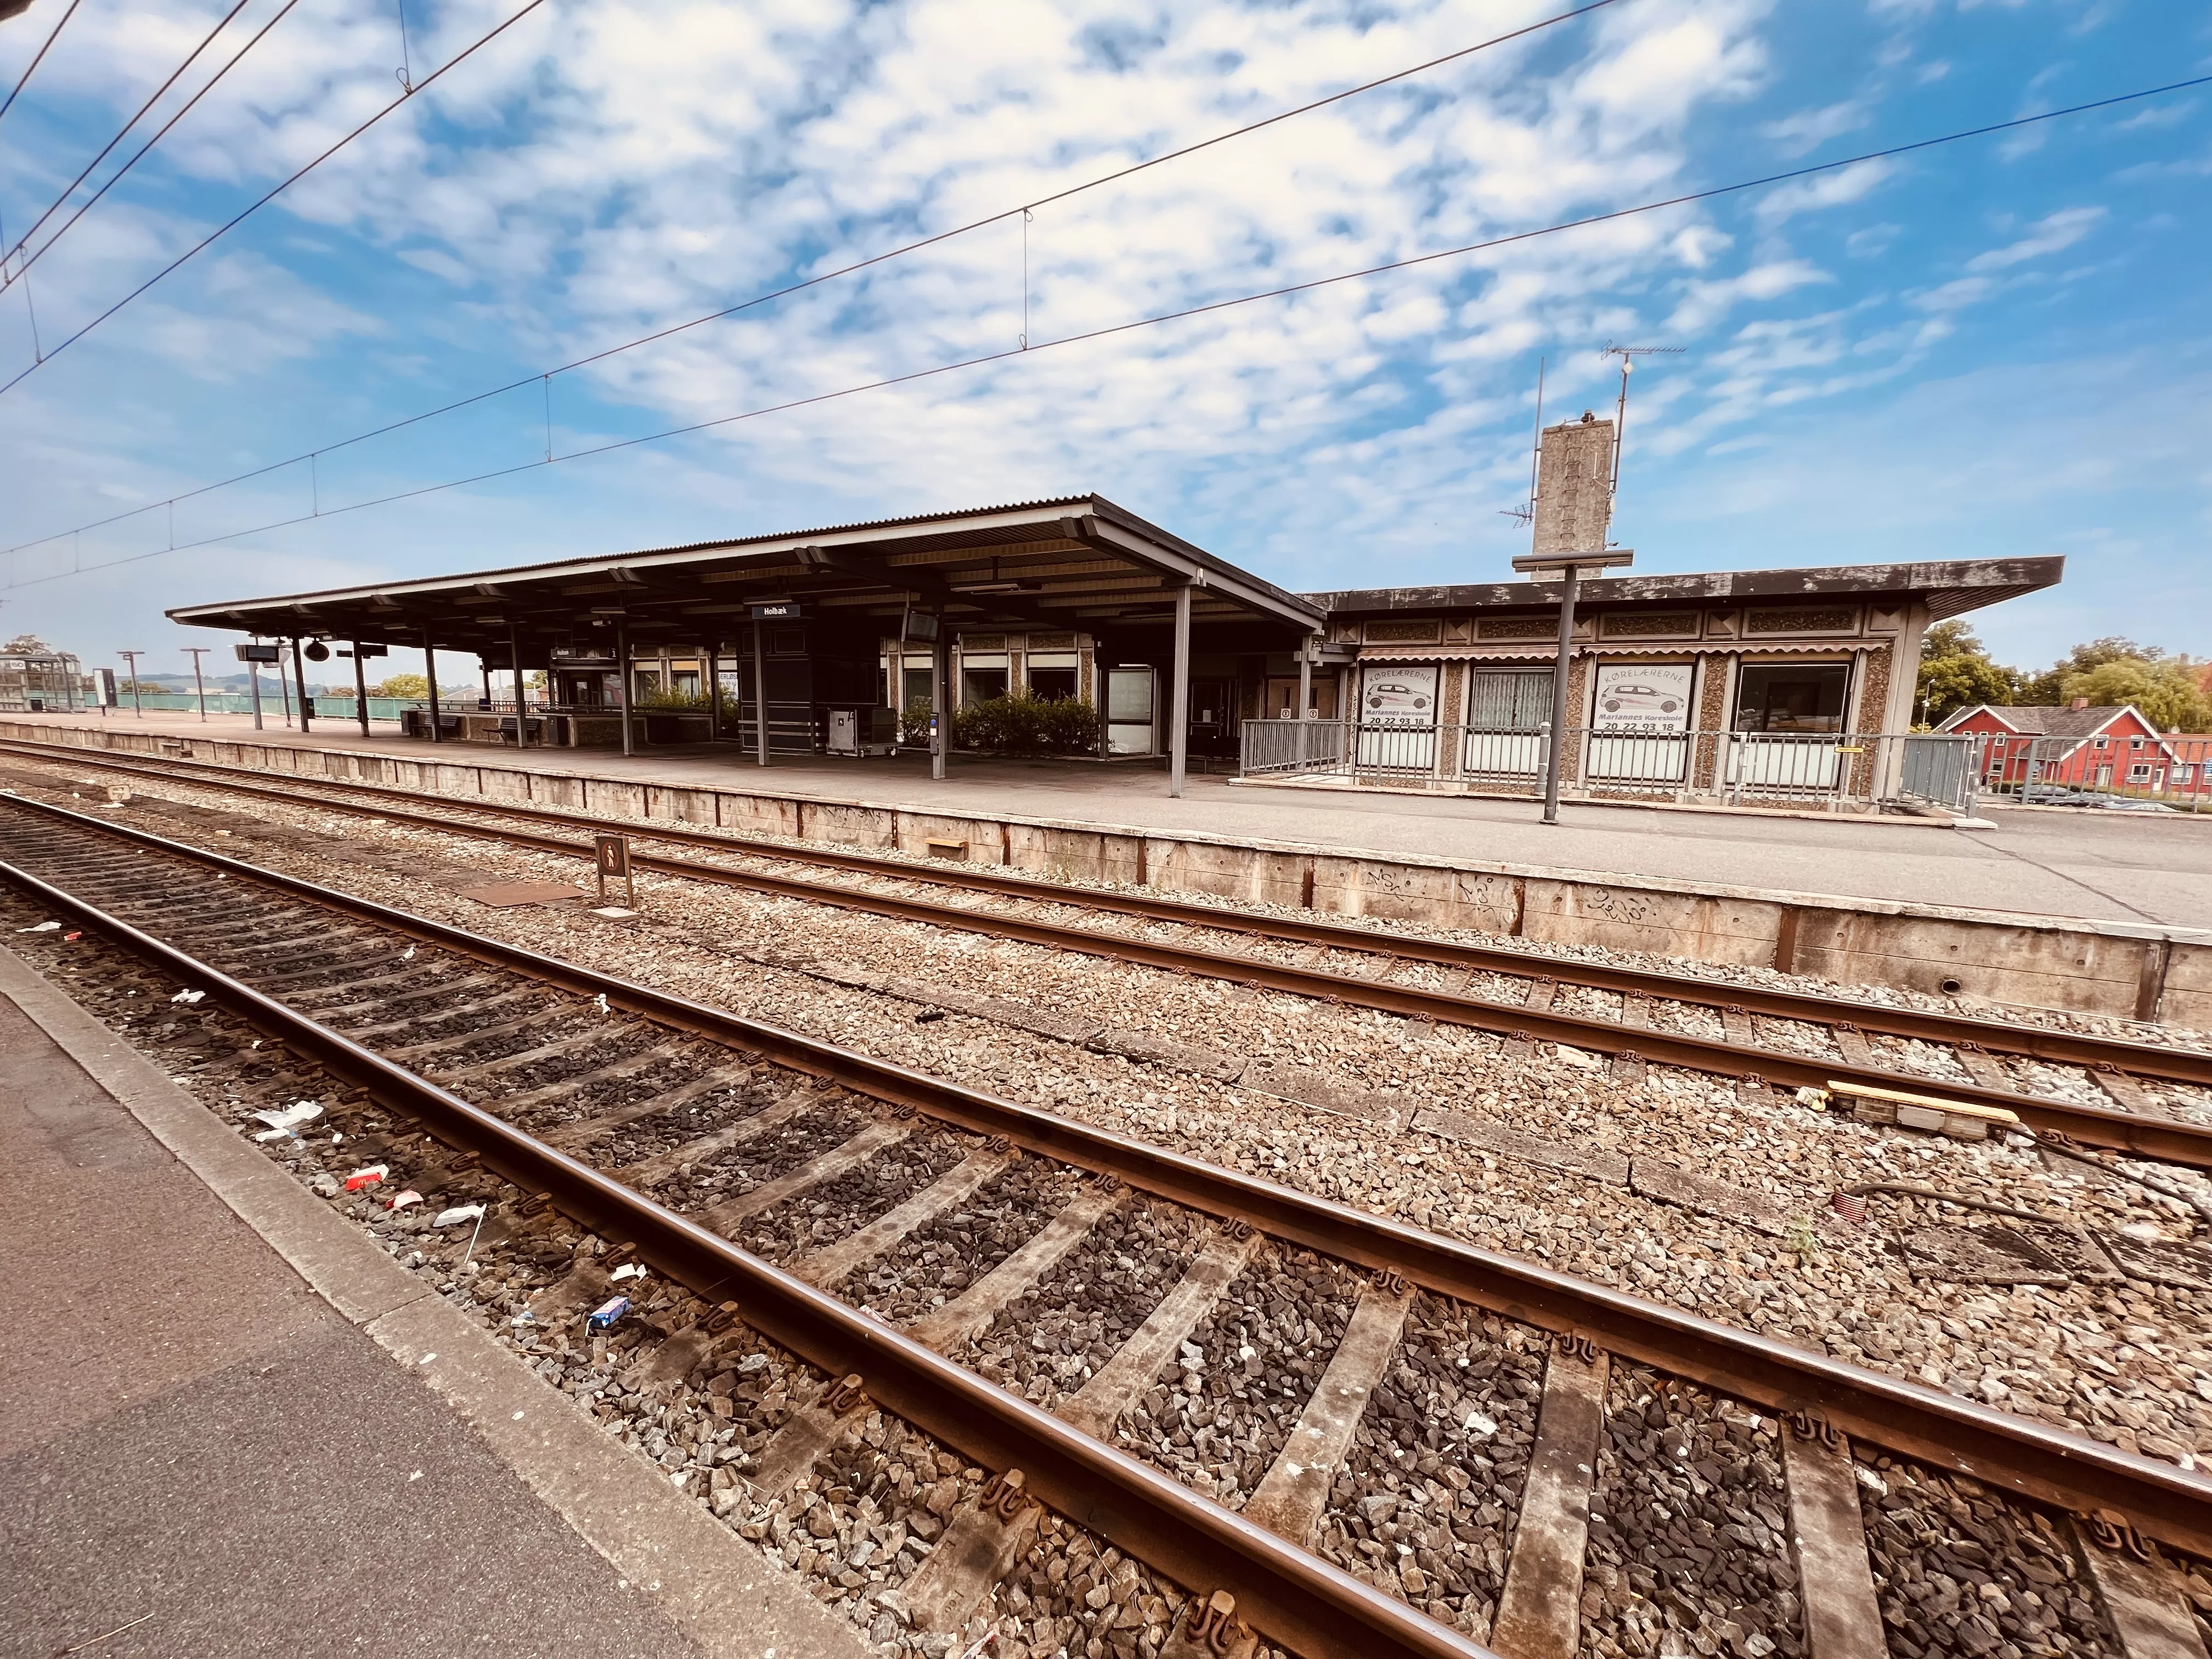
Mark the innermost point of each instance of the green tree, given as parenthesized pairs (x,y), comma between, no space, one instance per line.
(401,685)
(2164,689)
(2050,686)
(1956,672)
(27,644)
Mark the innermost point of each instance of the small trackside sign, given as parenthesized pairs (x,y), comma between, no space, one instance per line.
(614,856)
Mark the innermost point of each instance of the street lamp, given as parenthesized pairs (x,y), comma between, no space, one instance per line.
(132,657)
(1544,566)
(199,685)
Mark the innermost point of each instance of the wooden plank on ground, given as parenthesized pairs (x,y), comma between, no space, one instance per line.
(848,1155)
(2141,1595)
(1099,1404)
(1835,1578)
(648,1170)
(1540,1609)
(1294,1492)
(833,1261)
(967,1314)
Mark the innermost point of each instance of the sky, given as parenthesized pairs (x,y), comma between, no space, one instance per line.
(1995,347)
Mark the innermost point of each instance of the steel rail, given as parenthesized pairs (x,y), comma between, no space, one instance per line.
(2166,1139)
(1294,1597)
(2050,1465)
(2029,1042)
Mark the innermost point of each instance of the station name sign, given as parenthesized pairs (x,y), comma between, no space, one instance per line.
(260,653)
(780,610)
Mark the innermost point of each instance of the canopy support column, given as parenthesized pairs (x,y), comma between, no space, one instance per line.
(622,686)
(430,673)
(521,706)
(299,678)
(760,691)
(1179,699)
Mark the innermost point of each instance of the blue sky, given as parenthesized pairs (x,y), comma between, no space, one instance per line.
(1995,348)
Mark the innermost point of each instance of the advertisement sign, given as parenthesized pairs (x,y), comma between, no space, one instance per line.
(1643,697)
(1397,694)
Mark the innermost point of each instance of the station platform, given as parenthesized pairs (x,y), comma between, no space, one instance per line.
(234,1425)
(2131,868)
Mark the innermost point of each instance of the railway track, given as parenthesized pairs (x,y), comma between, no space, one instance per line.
(1496,1448)
(1523,998)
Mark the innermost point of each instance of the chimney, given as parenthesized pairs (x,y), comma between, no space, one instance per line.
(1574,486)
(2079,702)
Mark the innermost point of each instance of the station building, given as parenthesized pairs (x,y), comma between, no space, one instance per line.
(834,638)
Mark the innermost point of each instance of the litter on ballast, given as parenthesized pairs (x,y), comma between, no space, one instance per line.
(604,1316)
(41,927)
(367,1176)
(628,1270)
(286,1119)
(458,1213)
(189,996)
(402,1199)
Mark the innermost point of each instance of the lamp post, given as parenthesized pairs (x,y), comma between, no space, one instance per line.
(199,685)
(1568,566)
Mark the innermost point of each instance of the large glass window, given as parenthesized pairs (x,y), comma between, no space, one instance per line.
(1796,697)
(1511,700)
(916,681)
(976,684)
(1053,683)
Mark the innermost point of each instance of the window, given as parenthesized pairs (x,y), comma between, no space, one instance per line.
(2101,744)
(916,681)
(2139,772)
(1051,682)
(2183,774)
(977,684)
(1798,696)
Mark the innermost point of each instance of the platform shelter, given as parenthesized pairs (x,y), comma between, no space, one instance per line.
(851,637)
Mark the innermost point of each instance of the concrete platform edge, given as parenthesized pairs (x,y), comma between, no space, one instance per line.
(720,1592)
(2128,970)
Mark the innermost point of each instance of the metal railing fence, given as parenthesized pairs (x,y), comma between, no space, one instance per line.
(2111,774)
(1829,771)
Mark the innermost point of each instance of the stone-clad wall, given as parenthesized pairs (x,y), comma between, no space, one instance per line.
(2140,972)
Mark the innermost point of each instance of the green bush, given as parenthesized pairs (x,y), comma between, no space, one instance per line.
(673,703)
(913,722)
(1024,725)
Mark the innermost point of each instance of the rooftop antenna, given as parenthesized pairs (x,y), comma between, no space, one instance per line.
(1526,514)
(1628,355)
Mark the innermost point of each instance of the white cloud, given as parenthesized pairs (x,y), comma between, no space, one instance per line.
(1809,128)
(1955,295)
(1823,191)
(1704,303)
(2047,235)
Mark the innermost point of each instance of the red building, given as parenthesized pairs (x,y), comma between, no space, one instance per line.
(2078,747)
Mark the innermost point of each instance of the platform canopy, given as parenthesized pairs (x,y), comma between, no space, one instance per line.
(1081,563)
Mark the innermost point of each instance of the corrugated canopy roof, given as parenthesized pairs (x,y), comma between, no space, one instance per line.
(1078,562)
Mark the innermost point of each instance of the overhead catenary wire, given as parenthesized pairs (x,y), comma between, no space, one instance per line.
(30,69)
(1115,329)
(784,292)
(238,218)
(116,177)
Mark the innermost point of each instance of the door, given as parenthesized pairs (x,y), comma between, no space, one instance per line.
(1281,700)
(1212,717)
(1130,698)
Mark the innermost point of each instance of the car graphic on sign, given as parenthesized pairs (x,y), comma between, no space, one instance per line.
(1376,693)
(1640,697)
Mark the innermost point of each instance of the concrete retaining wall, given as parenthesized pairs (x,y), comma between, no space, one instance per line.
(2132,971)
